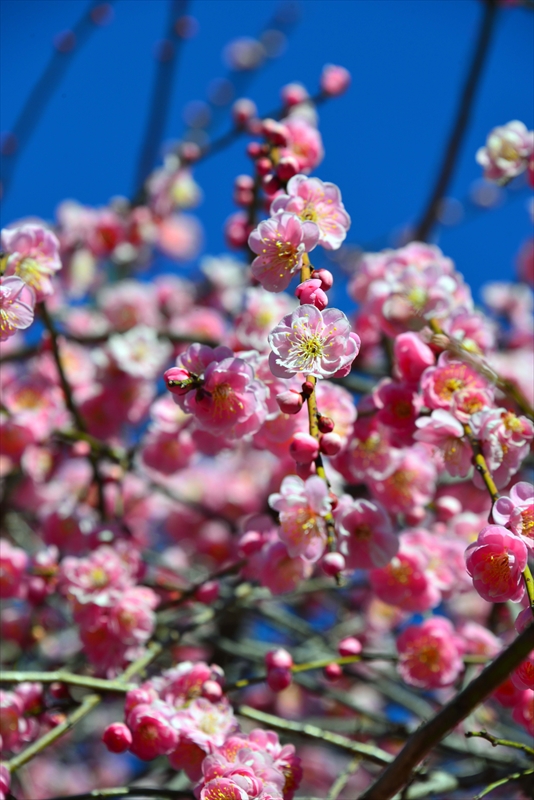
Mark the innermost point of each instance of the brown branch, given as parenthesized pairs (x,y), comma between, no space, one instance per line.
(461,122)
(420,744)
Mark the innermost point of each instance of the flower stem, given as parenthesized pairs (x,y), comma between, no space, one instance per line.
(502,742)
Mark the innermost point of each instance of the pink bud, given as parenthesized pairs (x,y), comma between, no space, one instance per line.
(117,737)
(330,444)
(212,691)
(307,388)
(349,646)
(243,197)
(270,184)
(326,278)
(236,231)
(303,448)
(244,182)
(415,516)
(264,165)
(279,679)
(251,542)
(254,149)
(81,449)
(293,94)
(59,691)
(305,471)
(447,507)
(178,380)
(287,167)
(332,564)
(310,292)
(275,132)
(333,672)
(334,80)
(290,402)
(279,658)
(190,152)
(208,592)
(326,425)
(5,780)
(243,110)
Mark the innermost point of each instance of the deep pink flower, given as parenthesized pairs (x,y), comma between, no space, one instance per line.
(310,292)
(33,256)
(280,242)
(507,151)
(405,583)
(313,200)
(429,656)
(398,408)
(117,737)
(367,538)
(517,512)
(302,506)
(16,306)
(496,562)
(444,431)
(412,356)
(313,342)
(152,733)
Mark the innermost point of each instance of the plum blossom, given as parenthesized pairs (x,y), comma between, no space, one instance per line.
(13,565)
(429,654)
(517,512)
(316,343)
(496,562)
(441,383)
(16,306)
(406,582)
(139,352)
(505,440)
(280,243)
(507,152)
(33,256)
(410,486)
(444,431)
(366,535)
(313,200)
(305,144)
(303,506)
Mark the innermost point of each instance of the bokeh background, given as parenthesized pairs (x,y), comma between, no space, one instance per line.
(384,139)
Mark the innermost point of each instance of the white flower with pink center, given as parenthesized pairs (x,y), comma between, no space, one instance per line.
(315,343)
(517,512)
(33,256)
(280,243)
(313,200)
(507,151)
(302,506)
(16,307)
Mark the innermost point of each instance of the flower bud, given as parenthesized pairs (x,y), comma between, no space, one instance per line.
(275,132)
(208,592)
(270,184)
(212,691)
(251,542)
(310,292)
(326,278)
(178,380)
(287,167)
(189,152)
(244,182)
(264,165)
(330,444)
(303,448)
(307,388)
(254,150)
(334,80)
(290,402)
(333,672)
(332,564)
(278,658)
(326,425)
(350,646)
(447,507)
(279,678)
(117,737)
(243,110)
(293,94)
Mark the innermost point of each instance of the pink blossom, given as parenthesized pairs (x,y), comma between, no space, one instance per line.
(303,506)
(517,512)
(441,383)
(429,656)
(411,484)
(412,356)
(496,562)
(523,712)
(16,306)
(13,565)
(130,303)
(168,451)
(261,312)
(405,582)
(280,243)
(398,408)
(139,352)
(369,453)
(132,618)
(274,568)
(505,439)
(152,733)
(313,200)
(507,151)
(334,80)
(467,402)
(367,537)
(305,144)
(310,292)
(314,343)
(444,431)
(117,737)
(33,256)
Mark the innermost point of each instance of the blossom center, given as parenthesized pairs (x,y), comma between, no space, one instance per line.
(496,572)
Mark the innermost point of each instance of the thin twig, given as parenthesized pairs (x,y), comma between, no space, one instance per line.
(340,782)
(502,742)
(514,777)
(461,122)
(61,676)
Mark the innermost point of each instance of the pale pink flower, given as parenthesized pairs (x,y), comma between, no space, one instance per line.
(411,485)
(179,236)
(505,439)
(429,656)
(337,404)
(205,724)
(467,402)
(496,562)
(130,303)
(507,151)
(441,383)
(305,144)
(302,506)
(442,430)
(261,312)
(314,343)
(280,243)
(274,568)
(334,80)
(478,640)
(367,538)
(369,453)
(103,569)
(132,618)
(168,451)
(33,256)
(313,200)
(16,306)
(517,512)
(139,352)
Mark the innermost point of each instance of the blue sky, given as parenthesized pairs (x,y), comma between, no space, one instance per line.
(383,139)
